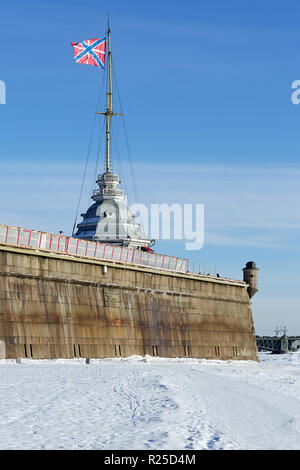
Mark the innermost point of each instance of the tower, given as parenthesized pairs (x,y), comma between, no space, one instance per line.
(109,220)
(251,277)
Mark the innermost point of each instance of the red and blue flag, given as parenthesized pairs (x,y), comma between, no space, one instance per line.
(90,51)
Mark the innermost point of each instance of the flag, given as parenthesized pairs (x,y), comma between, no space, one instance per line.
(90,51)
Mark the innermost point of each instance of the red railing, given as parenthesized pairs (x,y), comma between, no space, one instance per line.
(75,246)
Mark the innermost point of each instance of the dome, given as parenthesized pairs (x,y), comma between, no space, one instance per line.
(109,220)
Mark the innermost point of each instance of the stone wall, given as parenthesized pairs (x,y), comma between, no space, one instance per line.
(56,306)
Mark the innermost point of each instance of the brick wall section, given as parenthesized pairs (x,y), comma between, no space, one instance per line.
(59,306)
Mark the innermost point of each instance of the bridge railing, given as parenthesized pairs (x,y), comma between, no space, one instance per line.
(276,343)
(75,246)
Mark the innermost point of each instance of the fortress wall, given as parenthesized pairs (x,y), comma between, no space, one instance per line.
(55,306)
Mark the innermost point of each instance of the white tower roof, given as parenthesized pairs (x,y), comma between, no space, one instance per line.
(109,220)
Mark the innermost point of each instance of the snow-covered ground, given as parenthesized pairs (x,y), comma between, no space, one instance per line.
(151,403)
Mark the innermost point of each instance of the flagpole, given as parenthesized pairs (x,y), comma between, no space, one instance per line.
(109,111)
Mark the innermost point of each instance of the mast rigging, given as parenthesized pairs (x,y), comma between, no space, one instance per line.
(109,109)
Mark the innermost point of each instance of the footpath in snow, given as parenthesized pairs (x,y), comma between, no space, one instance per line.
(151,403)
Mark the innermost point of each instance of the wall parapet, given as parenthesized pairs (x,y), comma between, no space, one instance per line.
(75,246)
(56,305)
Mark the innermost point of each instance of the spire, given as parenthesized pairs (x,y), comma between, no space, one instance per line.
(109,109)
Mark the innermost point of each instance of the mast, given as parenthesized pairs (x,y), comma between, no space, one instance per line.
(109,110)
(109,220)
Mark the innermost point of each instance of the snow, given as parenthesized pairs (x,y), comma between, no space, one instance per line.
(151,403)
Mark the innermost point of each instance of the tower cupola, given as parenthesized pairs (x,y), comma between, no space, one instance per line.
(251,277)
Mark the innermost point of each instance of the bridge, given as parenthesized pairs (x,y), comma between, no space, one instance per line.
(278,344)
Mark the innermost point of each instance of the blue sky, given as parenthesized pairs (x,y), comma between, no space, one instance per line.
(206,90)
